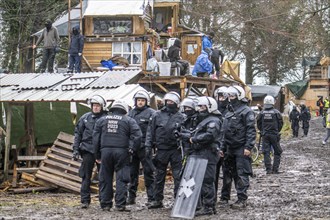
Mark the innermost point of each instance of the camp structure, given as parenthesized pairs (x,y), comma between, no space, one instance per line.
(317,84)
(133,29)
(36,107)
(259,92)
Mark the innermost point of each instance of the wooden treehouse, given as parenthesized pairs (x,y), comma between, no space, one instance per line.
(318,84)
(134,30)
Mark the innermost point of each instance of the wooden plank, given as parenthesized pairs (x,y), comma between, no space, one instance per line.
(32,189)
(31,178)
(63,145)
(61,174)
(14,153)
(66,137)
(60,165)
(27,169)
(64,160)
(87,63)
(60,151)
(30,158)
(59,181)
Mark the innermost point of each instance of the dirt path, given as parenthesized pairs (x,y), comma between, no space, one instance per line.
(301,191)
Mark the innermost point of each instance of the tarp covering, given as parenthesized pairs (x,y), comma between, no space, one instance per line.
(114,7)
(298,88)
(310,61)
(261,91)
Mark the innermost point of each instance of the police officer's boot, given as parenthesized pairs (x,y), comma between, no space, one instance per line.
(156,205)
(239,204)
(122,209)
(205,211)
(130,201)
(223,202)
(84,205)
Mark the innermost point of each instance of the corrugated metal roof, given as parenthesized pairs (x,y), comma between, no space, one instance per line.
(78,81)
(16,79)
(58,87)
(114,78)
(114,7)
(43,81)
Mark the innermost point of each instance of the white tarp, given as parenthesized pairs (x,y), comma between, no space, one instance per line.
(115,7)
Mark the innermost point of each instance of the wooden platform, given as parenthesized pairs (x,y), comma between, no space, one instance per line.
(183,84)
(59,168)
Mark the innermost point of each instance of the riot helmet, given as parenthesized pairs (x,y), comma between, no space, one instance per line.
(97,99)
(119,104)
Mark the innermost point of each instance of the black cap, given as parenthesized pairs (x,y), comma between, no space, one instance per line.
(211,34)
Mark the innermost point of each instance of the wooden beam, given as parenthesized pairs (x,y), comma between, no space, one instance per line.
(88,64)
(183,86)
(7,140)
(29,128)
(189,88)
(32,179)
(32,189)
(162,87)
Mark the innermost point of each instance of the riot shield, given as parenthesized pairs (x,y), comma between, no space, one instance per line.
(190,187)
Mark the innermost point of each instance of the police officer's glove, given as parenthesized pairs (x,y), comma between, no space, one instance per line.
(131,151)
(75,155)
(177,134)
(185,136)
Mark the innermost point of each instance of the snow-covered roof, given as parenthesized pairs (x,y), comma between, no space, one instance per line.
(115,7)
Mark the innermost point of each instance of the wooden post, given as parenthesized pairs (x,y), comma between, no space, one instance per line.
(33,56)
(7,141)
(183,86)
(29,127)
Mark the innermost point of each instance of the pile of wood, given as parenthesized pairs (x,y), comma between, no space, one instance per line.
(56,169)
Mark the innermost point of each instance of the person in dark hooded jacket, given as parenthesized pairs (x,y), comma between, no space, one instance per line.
(51,40)
(75,50)
(175,58)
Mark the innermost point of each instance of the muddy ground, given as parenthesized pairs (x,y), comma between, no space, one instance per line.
(301,191)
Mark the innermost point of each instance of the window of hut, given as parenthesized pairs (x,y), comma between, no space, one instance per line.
(132,51)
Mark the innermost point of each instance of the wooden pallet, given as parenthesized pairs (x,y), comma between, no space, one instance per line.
(59,168)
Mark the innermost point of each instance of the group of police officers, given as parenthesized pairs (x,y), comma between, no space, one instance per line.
(220,129)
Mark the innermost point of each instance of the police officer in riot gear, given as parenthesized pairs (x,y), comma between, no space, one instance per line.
(220,96)
(188,106)
(305,116)
(294,119)
(115,138)
(238,139)
(83,146)
(142,114)
(205,144)
(270,123)
(161,132)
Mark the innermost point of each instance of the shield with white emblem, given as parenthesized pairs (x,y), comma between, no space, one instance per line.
(190,188)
